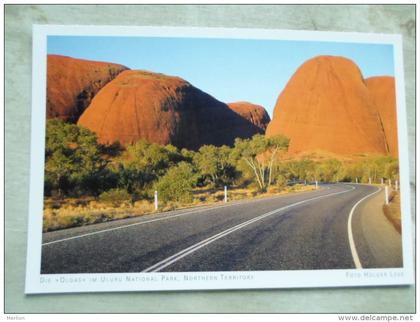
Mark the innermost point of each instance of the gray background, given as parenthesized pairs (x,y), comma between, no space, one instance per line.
(18,27)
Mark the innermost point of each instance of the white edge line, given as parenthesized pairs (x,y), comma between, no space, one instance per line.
(130,225)
(205,241)
(353,250)
(174,258)
(168,216)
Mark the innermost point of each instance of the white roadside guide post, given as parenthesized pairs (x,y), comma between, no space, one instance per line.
(357,181)
(386,195)
(316,184)
(382,180)
(225,194)
(156,200)
(370,180)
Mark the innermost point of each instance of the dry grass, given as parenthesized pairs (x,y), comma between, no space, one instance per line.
(66,213)
(392,211)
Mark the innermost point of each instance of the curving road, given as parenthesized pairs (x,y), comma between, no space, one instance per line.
(338,226)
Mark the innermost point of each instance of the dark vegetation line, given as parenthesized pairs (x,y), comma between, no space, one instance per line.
(77,166)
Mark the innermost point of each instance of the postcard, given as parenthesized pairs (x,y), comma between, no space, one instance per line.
(166,158)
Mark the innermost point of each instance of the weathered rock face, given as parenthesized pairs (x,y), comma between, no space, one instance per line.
(382,89)
(326,106)
(72,83)
(255,114)
(161,109)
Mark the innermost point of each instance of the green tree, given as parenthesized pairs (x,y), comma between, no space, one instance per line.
(213,162)
(73,160)
(131,178)
(330,170)
(259,154)
(374,167)
(146,156)
(354,171)
(281,181)
(187,155)
(143,163)
(177,183)
(300,169)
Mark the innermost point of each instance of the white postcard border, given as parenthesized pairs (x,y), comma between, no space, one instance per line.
(67,283)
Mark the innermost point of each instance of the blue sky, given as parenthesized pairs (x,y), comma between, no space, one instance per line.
(228,69)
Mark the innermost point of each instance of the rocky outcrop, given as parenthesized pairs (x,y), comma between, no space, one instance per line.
(162,109)
(72,83)
(255,114)
(382,89)
(326,106)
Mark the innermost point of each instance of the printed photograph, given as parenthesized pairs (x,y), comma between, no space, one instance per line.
(171,154)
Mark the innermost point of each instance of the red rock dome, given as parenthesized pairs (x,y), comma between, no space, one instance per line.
(72,83)
(256,114)
(162,109)
(382,89)
(326,106)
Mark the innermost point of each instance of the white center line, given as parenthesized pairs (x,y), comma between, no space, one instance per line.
(131,225)
(353,250)
(193,248)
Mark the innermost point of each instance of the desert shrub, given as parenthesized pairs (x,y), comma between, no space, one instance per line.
(115,197)
(281,181)
(176,185)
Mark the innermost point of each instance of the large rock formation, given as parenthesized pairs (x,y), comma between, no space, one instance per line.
(162,109)
(326,106)
(382,89)
(256,114)
(72,83)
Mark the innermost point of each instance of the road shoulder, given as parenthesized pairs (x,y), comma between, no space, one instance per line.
(378,243)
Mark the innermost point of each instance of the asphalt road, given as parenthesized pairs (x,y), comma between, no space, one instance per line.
(301,231)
